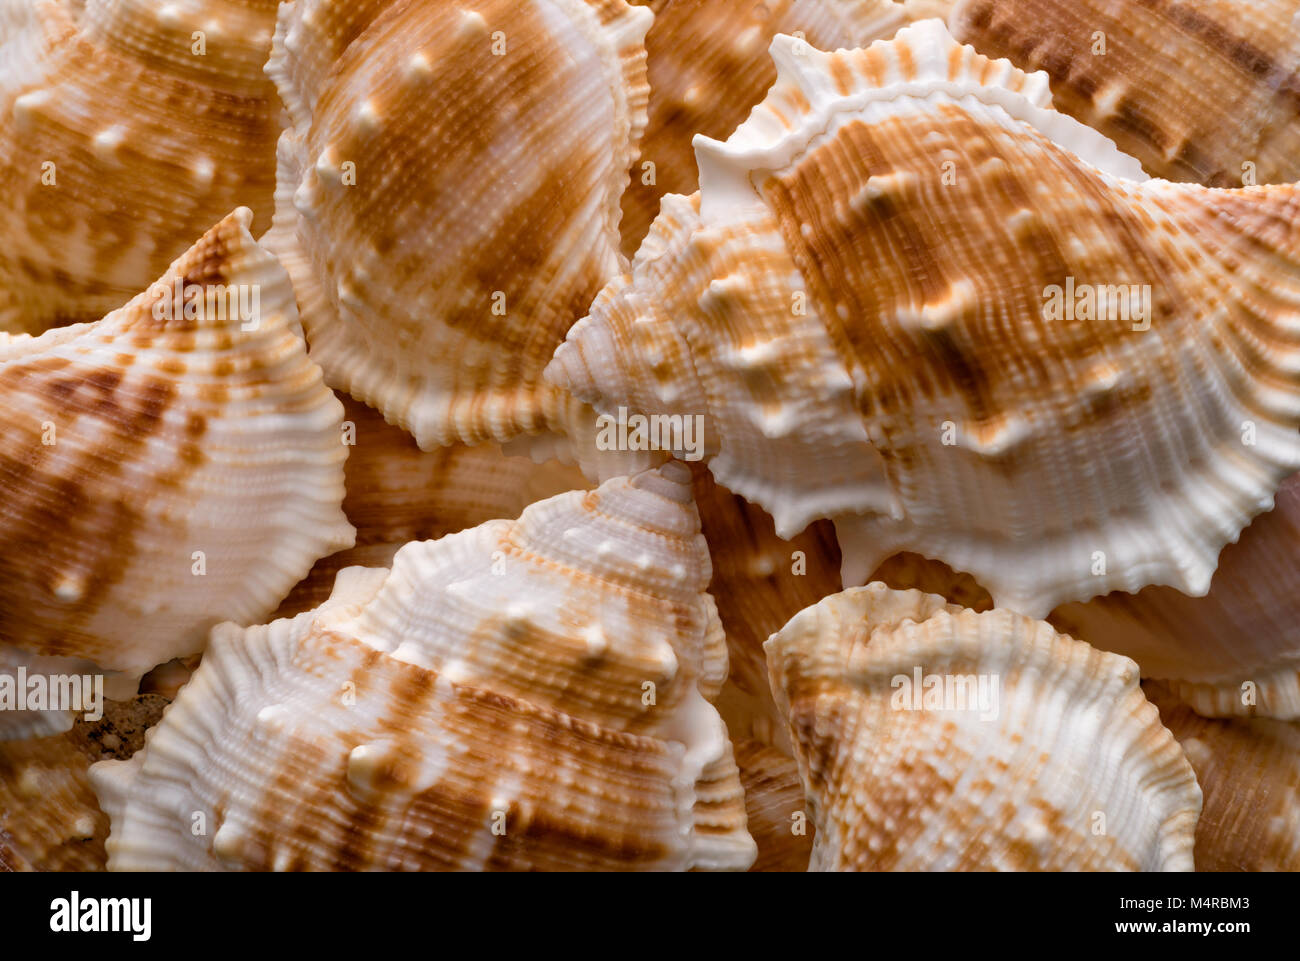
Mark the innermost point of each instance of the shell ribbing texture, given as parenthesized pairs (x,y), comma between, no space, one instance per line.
(866,302)
(481,705)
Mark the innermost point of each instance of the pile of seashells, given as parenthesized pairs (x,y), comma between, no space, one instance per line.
(592,435)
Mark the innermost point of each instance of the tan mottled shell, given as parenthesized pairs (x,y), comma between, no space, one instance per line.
(1235,651)
(759,582)
(1206,92)
(774,804)
(1249,772)
(708,66)
(447,200)
(164,473)
(495,677)
(49,816)
(398,493)
(119,144)
(1067,768)
(856,303)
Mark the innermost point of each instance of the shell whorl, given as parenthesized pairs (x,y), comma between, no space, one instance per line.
(891,223)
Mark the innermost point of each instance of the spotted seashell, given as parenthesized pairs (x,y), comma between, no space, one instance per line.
(127,129)
(524,694)
(1206,92)
(860,302)
(171,466)
(1019,748)
(448,196)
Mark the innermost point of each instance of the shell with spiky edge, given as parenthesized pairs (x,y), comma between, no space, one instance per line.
(447,200)
(176,464)
(867,302)
(526,694)
(929,737)
(127,128)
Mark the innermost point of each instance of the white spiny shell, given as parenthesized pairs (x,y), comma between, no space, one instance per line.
(1235,651)
(495,677)
(447,200)
(127,128)
(1061,765)
(857,303)
(165,471)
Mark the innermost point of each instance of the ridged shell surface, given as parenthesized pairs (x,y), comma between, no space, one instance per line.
(1205,91)
(398,493)
(932,738)
(127,129)
(481,705)
(708,66)
(1233,652)
(447,200)
(171,466)
(1249,771)
(860,302)
(774,804)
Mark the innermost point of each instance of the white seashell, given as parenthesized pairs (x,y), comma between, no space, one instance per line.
(448,196)
(858,302)
(934,738)
(418,708)
(171,466)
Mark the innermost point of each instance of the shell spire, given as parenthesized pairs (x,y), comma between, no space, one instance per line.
(912,298)
(173,465)
(526,694)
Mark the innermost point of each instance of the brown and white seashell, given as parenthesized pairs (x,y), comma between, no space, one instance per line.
(49,817)
(483,705)
(932,737)
(759,582)
(1206,92)
(171,466)
(1235,651)
(127,128)
(447,200)
(398,493)
(1249,772)
(708,66)
(860,300)
(774,807)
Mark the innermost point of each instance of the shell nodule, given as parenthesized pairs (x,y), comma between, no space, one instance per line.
(913,298)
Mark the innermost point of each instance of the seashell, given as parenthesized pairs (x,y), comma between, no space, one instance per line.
(495,678)
(759,582)
(398,493)
(858,302)
(1201,92)
(49,817)
(447,200)
(1249,772)
(911,757)
(1235,651)
(774,807)
(165,472)
(708,66)
(127,128)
